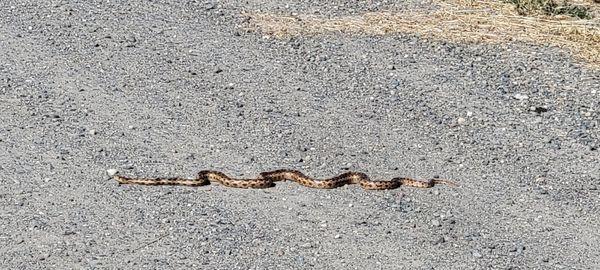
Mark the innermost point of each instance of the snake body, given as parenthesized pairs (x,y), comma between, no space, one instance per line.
(268,179)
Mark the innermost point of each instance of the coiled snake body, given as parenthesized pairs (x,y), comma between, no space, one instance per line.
(268,179)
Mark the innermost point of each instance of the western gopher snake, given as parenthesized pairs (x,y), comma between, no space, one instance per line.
(268,179)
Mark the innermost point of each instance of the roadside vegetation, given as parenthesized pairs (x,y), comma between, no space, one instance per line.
(572,25)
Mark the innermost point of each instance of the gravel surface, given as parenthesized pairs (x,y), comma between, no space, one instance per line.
(162,88)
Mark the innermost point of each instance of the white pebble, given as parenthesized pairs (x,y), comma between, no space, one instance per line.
(306,245)
(112,172)
(520,96)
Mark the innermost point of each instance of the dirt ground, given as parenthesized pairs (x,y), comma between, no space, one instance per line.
(168,88)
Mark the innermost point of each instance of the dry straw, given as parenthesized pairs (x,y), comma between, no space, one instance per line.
(454,20)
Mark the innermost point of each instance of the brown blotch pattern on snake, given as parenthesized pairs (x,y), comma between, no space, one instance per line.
(268,179)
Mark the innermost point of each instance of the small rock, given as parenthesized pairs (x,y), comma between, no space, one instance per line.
(92,132)
(540,109)
(476,254)
(112,172)
(518,249)
(391,67)
(469,113)
(337,236)
(521,96)
(440,240)
(130,38)
(460,121)
(435,223)
(306,245)
(210,5)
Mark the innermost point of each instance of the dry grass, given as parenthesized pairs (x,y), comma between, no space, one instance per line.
(454,20)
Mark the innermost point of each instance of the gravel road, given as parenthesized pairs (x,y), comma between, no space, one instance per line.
(166,88)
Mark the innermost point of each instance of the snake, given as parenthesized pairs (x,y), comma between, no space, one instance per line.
(268,179)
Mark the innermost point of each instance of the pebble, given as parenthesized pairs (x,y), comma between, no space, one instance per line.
(440,240)
(92,132)
(337,236)
(435,223)
(306,245)
(518,249)
(461,120)
(476,254)
(112,172)
(521,96)
(539,109)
